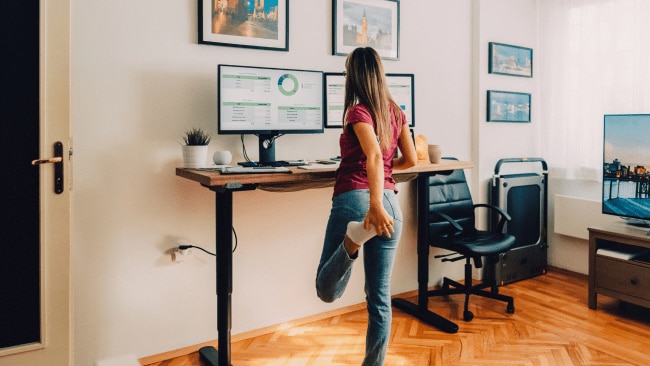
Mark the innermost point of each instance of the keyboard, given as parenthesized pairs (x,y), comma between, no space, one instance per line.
(254,170)
(279,163)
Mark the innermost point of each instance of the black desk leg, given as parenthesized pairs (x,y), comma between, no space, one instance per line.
(420,310)
(209,355)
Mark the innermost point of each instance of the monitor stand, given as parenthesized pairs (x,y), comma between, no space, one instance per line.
(267,154)
(266,145)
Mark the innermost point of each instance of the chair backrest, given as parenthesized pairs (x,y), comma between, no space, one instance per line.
(448,194)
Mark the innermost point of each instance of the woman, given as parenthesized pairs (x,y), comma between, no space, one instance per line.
(365,211)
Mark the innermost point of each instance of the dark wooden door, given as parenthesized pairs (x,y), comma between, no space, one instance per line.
(19,181)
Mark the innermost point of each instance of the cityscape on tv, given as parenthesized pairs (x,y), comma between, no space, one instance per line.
(626,154)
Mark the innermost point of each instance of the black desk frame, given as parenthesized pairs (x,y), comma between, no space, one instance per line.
(224,248)
(224,261)
(420,310)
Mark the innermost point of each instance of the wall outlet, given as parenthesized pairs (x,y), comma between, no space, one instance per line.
(181,255)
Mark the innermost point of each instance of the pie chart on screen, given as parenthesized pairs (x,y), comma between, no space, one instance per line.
(288,84)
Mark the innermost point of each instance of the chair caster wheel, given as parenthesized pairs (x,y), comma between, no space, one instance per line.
(468,315)
(511,308)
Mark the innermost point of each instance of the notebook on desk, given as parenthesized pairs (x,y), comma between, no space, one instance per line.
(254,170)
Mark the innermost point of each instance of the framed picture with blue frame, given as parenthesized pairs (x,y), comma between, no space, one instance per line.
(510,60)
(503,106)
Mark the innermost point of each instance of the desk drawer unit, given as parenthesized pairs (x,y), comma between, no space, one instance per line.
(623,279)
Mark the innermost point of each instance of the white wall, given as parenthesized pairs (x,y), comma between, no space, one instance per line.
(139,79)
(510,22)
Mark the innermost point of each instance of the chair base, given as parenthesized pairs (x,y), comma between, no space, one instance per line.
(451,287)
(425,315)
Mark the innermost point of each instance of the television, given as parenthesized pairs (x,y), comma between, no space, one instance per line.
(401,87)
(269,102)
(626,164)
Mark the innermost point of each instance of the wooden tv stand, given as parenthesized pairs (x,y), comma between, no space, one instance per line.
(623,279)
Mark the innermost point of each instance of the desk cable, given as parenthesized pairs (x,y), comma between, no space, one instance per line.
(267,143)
(234,233)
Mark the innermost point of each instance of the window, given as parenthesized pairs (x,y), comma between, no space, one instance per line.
(594,60)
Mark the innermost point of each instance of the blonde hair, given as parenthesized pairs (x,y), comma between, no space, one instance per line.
(365,84)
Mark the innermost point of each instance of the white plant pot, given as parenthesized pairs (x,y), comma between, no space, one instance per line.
(195,156)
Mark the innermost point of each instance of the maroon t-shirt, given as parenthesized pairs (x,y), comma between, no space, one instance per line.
(352,173)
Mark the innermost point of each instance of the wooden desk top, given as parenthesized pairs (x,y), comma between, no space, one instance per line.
(305,178)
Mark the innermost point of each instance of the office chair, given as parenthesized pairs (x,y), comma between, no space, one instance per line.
(446,219)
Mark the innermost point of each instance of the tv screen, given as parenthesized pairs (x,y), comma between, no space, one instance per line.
(626,158)
(269,101)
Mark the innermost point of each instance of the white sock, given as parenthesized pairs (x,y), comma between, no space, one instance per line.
(358,234)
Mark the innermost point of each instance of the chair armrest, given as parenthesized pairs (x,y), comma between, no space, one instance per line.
(453,222)
(504,215)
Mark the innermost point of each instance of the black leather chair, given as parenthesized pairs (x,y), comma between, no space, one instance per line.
(447,219)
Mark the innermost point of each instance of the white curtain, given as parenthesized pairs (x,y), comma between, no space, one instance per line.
(593,59)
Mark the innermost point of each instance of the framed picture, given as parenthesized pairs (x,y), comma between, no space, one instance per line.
(401,87)
(366,23)
(252,24)
(510,60)
(508,106)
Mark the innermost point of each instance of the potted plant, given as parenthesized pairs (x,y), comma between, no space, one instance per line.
(195,149)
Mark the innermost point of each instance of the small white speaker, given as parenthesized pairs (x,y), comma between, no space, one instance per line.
(222,157)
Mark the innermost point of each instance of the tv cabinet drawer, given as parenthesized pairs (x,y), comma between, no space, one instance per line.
(625,277)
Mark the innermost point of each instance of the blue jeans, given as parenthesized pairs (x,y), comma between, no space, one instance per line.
(335,266)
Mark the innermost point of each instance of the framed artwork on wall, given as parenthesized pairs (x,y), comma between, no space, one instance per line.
(401,87)
(505,106)
(366,23)
(251,24)
(510,60)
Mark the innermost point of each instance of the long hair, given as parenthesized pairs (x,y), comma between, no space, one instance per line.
(365,84)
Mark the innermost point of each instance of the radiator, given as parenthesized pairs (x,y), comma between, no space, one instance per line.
(574,215)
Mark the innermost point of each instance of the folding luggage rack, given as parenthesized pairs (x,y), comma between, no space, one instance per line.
(524,197)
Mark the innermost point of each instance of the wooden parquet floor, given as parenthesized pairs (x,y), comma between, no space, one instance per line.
(551,326)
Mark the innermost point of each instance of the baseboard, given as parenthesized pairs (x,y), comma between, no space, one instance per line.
(567,272)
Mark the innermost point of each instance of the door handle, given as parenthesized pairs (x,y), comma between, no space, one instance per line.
(57,160)
(45,161)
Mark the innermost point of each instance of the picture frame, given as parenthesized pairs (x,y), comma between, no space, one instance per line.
(401,86)
(222,25)
(366,23)
(504,106)
(510,60)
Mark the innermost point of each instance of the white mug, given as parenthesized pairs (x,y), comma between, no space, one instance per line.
(434,153)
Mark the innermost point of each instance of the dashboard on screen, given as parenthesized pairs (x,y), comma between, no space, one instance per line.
(400,86)
(269,101)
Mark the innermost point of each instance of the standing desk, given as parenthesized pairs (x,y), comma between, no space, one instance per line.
(299,179)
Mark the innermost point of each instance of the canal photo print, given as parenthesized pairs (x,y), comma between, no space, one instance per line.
(245,23)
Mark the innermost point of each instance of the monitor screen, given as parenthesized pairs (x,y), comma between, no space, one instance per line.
(400,86)
(269,101)
(626,160)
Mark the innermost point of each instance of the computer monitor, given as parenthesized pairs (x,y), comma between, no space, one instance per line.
(269,102)
(401,87)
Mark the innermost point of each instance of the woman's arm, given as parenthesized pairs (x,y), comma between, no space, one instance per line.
(409,157)
(376,215)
